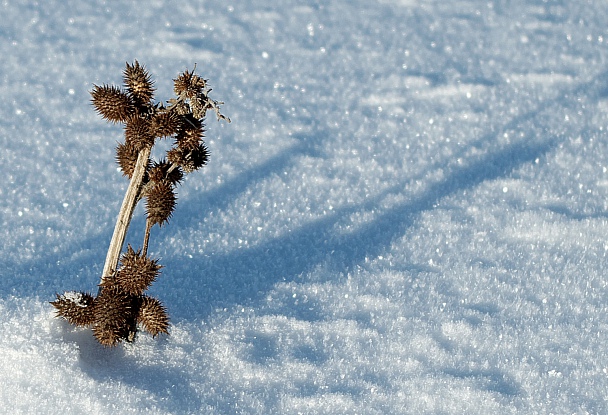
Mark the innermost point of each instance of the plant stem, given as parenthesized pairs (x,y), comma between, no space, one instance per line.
(144,250)
(126,213)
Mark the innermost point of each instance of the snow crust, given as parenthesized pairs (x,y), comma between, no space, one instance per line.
(407,214)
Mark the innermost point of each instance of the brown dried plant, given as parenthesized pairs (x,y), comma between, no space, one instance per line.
(121,306)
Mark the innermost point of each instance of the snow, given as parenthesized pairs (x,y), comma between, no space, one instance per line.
(407,214)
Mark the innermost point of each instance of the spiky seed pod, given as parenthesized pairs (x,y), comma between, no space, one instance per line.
(164,170)
(190,133)
(137,132)
(75,307)
(136,272)
(113,305)
(188,84)
(107,335)
(176,156)
(160,202)
(110,335)
(199,157)
(158,171)
(109,282)
(114,316)
(111,103)
(138,83)
(152,316)
(126,157)
(189,160)
(164,124)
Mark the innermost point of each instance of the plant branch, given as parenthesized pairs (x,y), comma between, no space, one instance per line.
(121,306)
(126,213)
(146,238)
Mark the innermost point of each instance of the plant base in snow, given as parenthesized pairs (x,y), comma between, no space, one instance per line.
(121,307)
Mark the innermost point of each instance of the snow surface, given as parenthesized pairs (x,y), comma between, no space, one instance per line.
(407,215)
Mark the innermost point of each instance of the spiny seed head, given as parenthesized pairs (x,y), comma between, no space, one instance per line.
(110,334)
(191,160)
(75,307)
(111,103)
(115,312)
(138,83)
(137,132)
(152,316)
(160,202)
(126,157)
(107,335)
(164,170)
(136,272)
(113,305)
(188,84)
(164,124)
(190,133)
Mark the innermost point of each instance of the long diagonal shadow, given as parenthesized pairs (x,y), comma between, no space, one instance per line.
(240,276)
(243,275)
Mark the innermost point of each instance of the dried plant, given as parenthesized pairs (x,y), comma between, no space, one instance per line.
(121,306)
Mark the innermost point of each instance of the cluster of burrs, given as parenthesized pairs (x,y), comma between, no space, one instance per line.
(121,307)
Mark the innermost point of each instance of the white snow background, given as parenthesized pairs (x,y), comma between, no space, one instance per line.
(407,215)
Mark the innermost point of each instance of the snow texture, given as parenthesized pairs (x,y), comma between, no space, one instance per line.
(407,215)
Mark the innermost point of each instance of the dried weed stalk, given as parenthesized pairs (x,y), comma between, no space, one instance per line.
(121,306)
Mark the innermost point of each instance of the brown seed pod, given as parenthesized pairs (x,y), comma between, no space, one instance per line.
(126,157)
(199,156)
(152,316)
(75,307)
(189,161)
(110,335)
(136,272)
(160,202)
(138,83)
(137,132)
(164,124)
(111,103)
(114,316)
(164,170)
(113,305)
(107,335)
(190,133)
(188,84)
